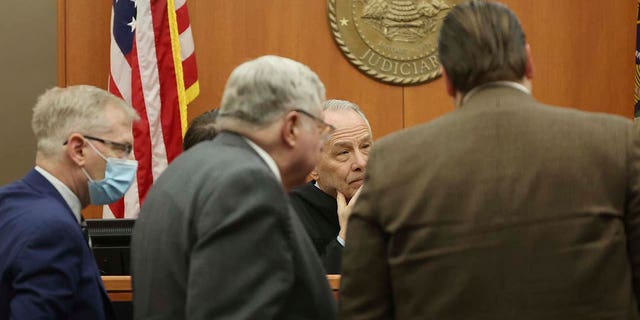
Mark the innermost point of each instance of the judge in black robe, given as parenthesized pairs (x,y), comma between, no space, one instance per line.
(324,204)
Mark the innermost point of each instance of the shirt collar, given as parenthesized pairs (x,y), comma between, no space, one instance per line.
(69,197)
(266,157)
(511,84)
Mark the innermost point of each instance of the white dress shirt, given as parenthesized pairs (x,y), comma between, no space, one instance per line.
(266,157)
(511,84)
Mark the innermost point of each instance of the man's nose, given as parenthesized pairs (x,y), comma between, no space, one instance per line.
(360,160)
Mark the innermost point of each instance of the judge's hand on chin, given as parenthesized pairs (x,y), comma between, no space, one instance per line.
(344,211)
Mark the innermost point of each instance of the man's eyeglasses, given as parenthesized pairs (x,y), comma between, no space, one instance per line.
(325,128)
(123,148)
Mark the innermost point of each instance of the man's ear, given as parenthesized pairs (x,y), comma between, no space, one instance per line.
(451,91)
(75,149)
(291,129)
(528,71)
(314,174)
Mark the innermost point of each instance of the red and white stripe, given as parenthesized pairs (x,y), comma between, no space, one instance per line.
(149,79)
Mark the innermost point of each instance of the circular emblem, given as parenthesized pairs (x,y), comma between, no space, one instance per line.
(394,41)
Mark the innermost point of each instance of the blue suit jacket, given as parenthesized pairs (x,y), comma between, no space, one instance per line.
(47,270)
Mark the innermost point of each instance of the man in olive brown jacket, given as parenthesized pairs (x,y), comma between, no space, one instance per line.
(503,209)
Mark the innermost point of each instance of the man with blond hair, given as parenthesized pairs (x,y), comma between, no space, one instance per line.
(47,270)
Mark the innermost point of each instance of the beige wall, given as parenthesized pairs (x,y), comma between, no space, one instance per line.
(28,57)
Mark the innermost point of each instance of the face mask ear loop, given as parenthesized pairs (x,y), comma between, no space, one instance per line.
(86,174)
(96,150)
(98,153)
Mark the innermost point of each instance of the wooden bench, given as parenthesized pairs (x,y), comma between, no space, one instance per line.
(119,287)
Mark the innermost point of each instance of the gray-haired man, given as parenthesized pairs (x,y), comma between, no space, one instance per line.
(216,237)
(324,204)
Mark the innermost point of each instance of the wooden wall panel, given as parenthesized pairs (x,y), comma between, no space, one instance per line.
(86,42)
(426,102)
(84,51)
(582,52)
(227,33)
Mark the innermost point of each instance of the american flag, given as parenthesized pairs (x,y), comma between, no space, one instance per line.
(153,68)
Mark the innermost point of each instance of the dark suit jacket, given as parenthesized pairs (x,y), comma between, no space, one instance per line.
(217,239)
(47,270)
(318,213)
(502,209)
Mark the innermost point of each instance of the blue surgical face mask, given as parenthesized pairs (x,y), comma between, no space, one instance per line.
(118,177)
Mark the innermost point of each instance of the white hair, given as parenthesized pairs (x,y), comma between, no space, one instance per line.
(60,112)
(260,90)
(344,105)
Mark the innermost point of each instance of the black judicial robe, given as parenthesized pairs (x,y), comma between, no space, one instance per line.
(318,212)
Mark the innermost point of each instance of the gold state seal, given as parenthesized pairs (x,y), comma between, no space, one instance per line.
(394,41)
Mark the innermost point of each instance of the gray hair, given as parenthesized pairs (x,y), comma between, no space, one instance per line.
(260,90)
(344,105)
(60,112)
(481,42)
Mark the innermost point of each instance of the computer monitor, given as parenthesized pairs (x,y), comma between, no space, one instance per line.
(110,241)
